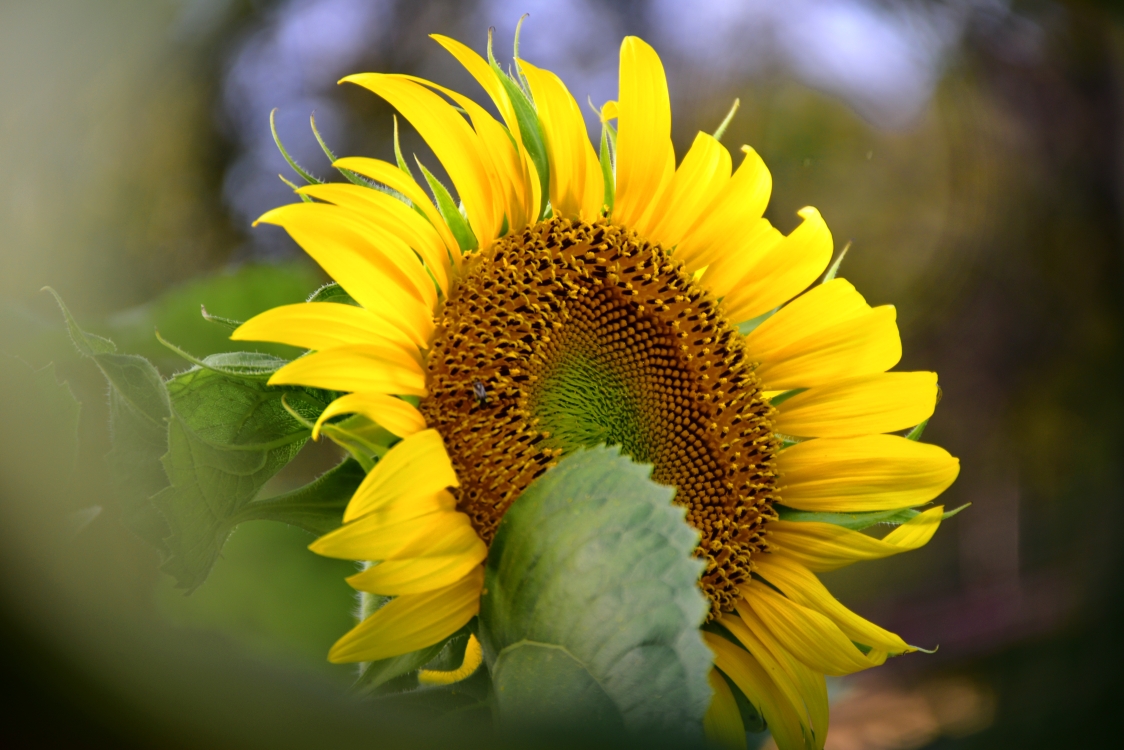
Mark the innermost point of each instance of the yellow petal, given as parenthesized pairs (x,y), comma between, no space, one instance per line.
(609,110)
(394,533)
(414,575)
(502,161)
(802,586)
(342,254)
(479,68)
(390,175)
(810,686)
(870,472)
(645,158)
(357,367)
(396,216)
(567,144)
(473,658)
(743,669)
(322,325)
(784,271)
(418,465)
(883,402)
(411,622)
(397,416)
(720,231)
(822,306)
(806,634)
(453,142)
(696,185)
(866,344)
(390,255)
(722,723)
(825,546)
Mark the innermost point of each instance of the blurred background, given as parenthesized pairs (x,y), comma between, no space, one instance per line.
(972,150)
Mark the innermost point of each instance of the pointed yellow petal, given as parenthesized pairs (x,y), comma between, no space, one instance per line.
(397,416)
(396,532)
(720,231)
(392,257)
(645,157)
(398,218)
(417,574)
(802,586)
(866,344)
(697,184)
(567,146)
(473,658)
(322,325)
(809,685)
(722,723)
(806,634)
(342,254)
(411,622)
(724,274)
(480,70)
(822,306)
(743,669)
(609,110)
(502,160)
(390,175)
(883,402)
(784,271)
(870,472)
(453,142)
(358,367)
(418,465)
(825,546)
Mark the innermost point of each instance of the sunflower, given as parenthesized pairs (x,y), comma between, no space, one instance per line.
(579,297)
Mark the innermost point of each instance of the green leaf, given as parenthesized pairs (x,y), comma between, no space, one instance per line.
(721,131)
(858,521)
(530,130)
(607,174)
(916,432)
(591,607)
(447,207)
(317,507)
(139,410)
(308,176)
(831,272)
(226,438)
(747,327)
(332,292)
(228,323)
(246,365)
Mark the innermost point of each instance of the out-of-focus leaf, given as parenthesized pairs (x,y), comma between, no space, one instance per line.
(317,507)
(139,410)
(591,608)
(226,438)
(858,521)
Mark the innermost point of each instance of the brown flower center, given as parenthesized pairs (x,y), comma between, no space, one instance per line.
(571,334)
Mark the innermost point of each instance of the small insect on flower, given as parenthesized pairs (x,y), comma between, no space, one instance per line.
(479,392)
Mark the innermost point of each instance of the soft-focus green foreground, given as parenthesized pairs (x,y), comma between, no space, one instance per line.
(591,612)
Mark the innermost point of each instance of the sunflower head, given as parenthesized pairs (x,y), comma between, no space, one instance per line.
(574,298)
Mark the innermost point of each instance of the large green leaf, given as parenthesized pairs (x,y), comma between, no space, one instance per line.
(139,410)
(317,507)
(226,438)
(591,611)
